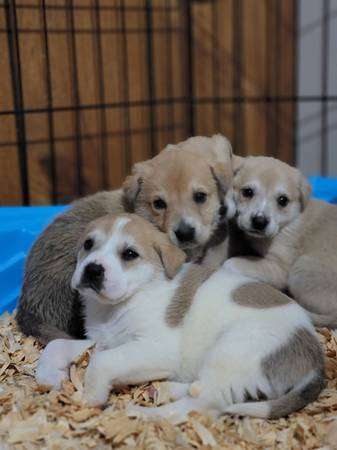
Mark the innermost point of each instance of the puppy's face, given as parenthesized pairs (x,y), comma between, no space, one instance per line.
(268,194)
(119,255)
(181,192)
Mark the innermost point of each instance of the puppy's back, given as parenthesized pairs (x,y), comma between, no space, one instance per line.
(48,308)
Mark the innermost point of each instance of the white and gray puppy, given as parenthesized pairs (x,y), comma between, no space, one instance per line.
(284,238)
(181,191)
(238,340)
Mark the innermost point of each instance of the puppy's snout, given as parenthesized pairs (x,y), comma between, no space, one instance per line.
(185,232)
(93,276)
(259,222)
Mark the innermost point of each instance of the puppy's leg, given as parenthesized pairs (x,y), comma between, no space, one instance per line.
(313,284)
(176,411)
(55,359)
(265,270)
(176,390)
(132,363)
(232,371)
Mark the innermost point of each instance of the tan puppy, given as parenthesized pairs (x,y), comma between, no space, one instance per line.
(293,240)
(181,191)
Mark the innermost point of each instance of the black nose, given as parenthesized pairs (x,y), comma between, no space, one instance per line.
(185,233)
(259,222)
(93,276)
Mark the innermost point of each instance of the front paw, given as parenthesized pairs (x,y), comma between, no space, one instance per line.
(50,376)
(96,383)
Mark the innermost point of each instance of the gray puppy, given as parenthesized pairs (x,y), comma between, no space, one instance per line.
(48,308)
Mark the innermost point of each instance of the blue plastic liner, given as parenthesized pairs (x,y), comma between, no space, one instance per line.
(20,226)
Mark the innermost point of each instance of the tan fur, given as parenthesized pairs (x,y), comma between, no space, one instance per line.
(302,257)
(174,176)
(259,295)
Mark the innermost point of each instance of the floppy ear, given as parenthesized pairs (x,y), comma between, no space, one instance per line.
(133,184)
(305,191)
(171,256)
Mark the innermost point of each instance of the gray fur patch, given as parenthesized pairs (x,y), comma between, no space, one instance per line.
(259,295)
(288,368)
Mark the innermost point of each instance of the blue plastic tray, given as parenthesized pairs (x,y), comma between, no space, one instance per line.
(19,227)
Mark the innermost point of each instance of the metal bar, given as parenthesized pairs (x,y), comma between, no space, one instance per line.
(170,109)
(215,68)
(190,65)
(165,101)
(15,64)
(151,74)
(125,89)
(296,62)
(51,133)
(101,94)
(325,80)
(75,94)
(237,63)
(133,8)
(85,136)
(95,30)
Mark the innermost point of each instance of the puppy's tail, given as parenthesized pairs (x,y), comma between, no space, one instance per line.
(323,320)
(297,398)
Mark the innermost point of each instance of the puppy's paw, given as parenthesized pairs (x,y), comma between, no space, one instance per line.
(51,376)
(96,384)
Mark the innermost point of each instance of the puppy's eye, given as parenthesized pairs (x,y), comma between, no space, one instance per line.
(283,201)
(88,244)
(247,192)
(159,203)
(199,197)
(129,254)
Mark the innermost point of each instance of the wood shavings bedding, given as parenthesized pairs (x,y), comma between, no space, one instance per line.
(34,417)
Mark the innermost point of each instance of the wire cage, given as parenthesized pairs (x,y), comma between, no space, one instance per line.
(89,87)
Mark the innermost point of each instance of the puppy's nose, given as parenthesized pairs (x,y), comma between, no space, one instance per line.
(185,233)
(93,276)
(260,222)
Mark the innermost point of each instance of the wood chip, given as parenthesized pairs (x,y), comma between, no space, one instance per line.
(35,417)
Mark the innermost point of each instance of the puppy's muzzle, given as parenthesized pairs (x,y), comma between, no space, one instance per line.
(93,276)
(185,233)
(259,222)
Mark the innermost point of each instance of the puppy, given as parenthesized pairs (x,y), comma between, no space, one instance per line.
(48,308)
(292,240)
(181,191)
(232,344)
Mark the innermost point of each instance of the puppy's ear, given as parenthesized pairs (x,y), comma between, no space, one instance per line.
(133,184)
(237,163)
(171,256)
(220,156)
(305,191)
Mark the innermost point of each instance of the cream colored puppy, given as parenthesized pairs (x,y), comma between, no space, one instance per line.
(292,240)
(233,343)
